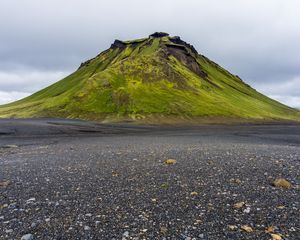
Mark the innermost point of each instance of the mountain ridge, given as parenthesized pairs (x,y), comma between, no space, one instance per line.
(158,77)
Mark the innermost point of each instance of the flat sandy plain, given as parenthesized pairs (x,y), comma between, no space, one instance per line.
(65,179)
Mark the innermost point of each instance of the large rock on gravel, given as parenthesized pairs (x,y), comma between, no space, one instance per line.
(170,161)
(282,183)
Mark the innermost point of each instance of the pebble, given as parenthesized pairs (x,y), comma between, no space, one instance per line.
(247,228)
(126,234)
(247,210)
(27,237)
(30,200)
(275,236)
(33,225)
(87,228)
(239,205)
(10,146)
(9,231)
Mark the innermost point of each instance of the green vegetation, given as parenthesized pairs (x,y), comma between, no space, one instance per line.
(150,80)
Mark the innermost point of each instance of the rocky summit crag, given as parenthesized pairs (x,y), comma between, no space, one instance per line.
(152,80)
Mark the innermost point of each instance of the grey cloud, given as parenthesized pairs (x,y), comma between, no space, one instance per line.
(28,81)
(288,100)
(6,97)
(291,86)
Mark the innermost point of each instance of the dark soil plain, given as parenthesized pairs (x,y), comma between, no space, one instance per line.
(67,179)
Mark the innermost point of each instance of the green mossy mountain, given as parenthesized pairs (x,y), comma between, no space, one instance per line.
(152,80)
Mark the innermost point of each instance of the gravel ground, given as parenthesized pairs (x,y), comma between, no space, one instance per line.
(75,180)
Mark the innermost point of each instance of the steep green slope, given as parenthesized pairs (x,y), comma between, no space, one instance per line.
(159,77)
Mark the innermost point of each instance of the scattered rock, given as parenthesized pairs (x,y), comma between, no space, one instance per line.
(282,183)
(270,229)
(27,237)
(33,225)
(232,227)
(97,222)
(170,161)
(201,235)
(9,231)
(30,200)
(197,222)
(239,205)
(247,210)
(247,228)
(163,230)
(165,185)
(10,146)
(4,183)
(87,228)
(238,181)
(276,236)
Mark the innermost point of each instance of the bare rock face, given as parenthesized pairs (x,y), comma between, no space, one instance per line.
(183,55)
(177,40)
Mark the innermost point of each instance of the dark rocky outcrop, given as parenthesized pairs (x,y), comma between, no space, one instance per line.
(177,40)
(118,44)
(86,63)
(159,35)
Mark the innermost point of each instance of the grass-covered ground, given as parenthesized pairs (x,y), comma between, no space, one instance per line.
(150,80)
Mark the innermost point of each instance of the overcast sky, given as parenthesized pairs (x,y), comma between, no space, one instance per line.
(43,41)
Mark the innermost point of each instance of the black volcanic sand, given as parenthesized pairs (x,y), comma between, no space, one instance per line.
(63,179)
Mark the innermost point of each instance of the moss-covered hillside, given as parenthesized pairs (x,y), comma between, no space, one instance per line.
(151,79)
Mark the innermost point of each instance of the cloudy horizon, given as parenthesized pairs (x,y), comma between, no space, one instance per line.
(42,42)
